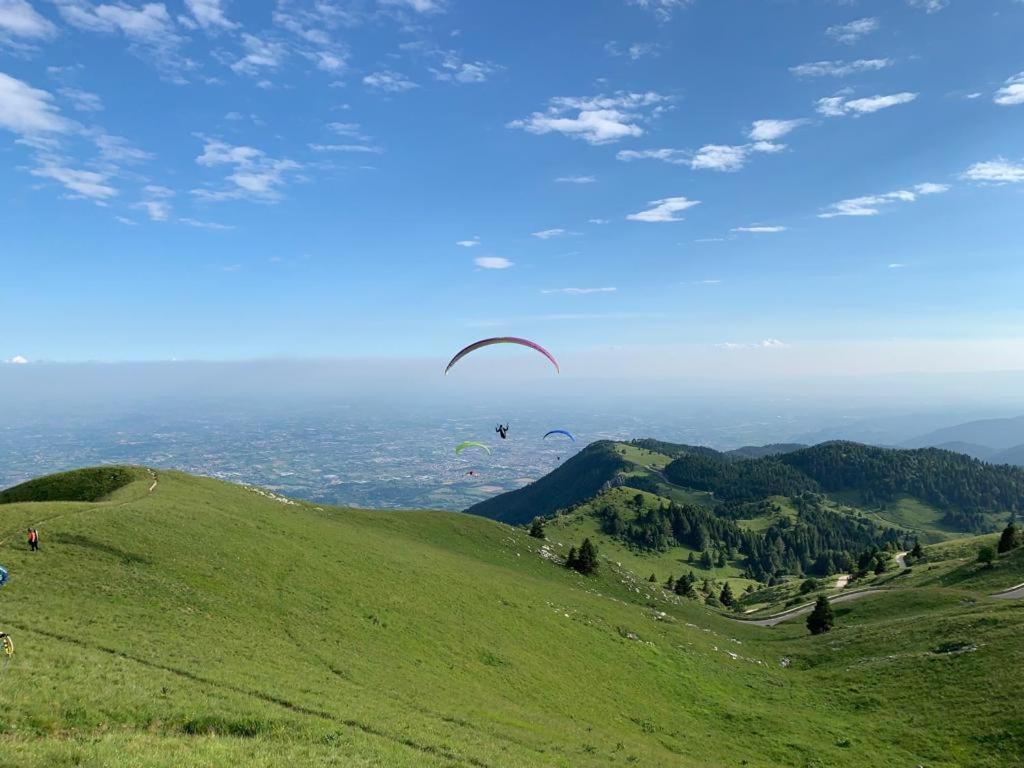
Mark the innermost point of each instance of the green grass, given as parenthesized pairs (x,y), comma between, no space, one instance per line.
(205,625)
(91,484)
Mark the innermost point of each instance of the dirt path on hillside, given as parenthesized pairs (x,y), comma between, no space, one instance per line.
(1013,593)
(901,560)
(842,580)
(806,608)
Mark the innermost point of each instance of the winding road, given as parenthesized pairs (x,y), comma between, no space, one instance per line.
(1013,593)
(806,608)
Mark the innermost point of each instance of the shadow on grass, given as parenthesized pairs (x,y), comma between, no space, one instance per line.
(77,540)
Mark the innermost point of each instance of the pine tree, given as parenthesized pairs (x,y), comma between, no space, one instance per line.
(705,560)
(690,558)
(721,560)
(572,561)
(654,579)
(917,552)
(822,618)
(1009,540)
(537,529)
(670,583)
(725,597)
(586,561)
(987,555)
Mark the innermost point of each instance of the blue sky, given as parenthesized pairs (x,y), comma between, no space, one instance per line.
(725,185)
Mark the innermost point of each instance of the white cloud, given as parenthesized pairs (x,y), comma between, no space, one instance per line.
(156,191)
(576,179)
(255,176)
(454,69)
(209,14)
(759,229)
(853,31)
(599,221)
(664,210)
(17,360)
(975,95)
(1011,94)
(715,157)
(204,224)
(661,8)
(634,51)
(597,120)
(390,82)
(116,149)
(998,171)
(492,262)
(840,68)
(259,55)
(547,234)
(765,344)
(360,148)
(82,101)
(897,265)
(20,19)
(149,28)
(420,6)
(838,106)
(157,210)
(350,130)
(870,205)
(772,130)
(28,111)
(473,243)
(90,184)
(579,291)
(929,6)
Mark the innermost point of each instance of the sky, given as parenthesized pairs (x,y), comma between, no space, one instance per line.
(665,187)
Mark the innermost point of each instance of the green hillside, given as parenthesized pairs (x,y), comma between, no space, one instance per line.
(206,624)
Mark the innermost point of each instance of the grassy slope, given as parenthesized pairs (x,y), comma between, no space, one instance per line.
(206,625)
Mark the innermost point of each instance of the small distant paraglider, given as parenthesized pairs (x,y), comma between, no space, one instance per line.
(564,432)
(502,340)
(471,444)
(502,431)
(3,576)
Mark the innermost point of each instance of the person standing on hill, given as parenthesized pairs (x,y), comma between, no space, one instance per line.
(33,539)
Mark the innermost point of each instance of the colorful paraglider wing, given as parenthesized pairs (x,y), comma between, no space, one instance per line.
(502,340)
(470,444)
(560,432)
(3,575)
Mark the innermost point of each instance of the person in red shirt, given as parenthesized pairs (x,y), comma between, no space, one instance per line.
(33,539)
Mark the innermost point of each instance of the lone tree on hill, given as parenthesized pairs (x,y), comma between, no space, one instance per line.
(987,555)
(917,552)
(584,561)
(654,579)
(537,528)
(705,560)
(726,596)
(684,586)
(822,619)
(808,586)
(1009,540)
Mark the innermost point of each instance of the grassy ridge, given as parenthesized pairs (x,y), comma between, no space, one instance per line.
(208,625)
(91,484)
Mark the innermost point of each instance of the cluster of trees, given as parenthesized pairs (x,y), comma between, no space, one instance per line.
(583,560)
(1009,540)
(686,586)
(964,488)
(818,541)
(950,481)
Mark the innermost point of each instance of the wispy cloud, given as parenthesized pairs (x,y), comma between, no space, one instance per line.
(759,229)
(28,111)
(260,55)
(1011,94)
(998,171)
(493,262)
(357,148)
(209,14)
(547,234)
(773,130)
(576,179)
(597,119)
(840,68)
(254,175)
(662,9)
(871,205)
(896,265)
(19,19)
(420,6)
(713,157)
(389,82)
(212,225)
(852,31)
(838,106)
(765,344)
(453,68)
(635,51)
(929,6)
(90,184)
(664,210)
(17,360)
(81,101)
(157,210)
(578,291)
(472,243)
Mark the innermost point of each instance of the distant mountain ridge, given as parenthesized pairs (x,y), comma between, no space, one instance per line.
(966,490)
(995,434)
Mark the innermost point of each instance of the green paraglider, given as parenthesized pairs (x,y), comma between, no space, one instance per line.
(470,444)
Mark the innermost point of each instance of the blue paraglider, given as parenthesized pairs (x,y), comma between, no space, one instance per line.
(3,575)
(560,432)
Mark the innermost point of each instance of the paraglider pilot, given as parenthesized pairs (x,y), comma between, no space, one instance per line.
(502,430)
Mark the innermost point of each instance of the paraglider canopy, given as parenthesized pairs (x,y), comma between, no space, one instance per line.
(560,432)
(3,575)
(502,340)
(470,444)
